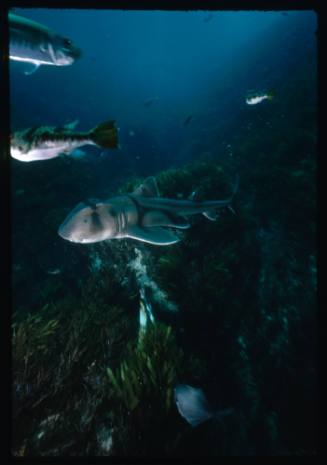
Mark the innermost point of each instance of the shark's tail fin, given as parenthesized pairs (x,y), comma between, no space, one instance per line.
(105,135)
(213,213)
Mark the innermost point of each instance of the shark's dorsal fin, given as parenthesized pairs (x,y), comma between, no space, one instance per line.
(148,188)
(154,235)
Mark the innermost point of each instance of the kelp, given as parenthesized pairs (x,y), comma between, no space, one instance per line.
(149,370)
(32,341)
(59,359)
(142,388)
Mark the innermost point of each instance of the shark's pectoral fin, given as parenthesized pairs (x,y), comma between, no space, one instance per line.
(179,222)
(153,235)
(212,215)
(31,69)
(158,218)
(148,188)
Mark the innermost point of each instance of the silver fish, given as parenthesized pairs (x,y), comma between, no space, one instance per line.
(54,272)
(34,43)
(258,97)
(193,405)
(45,142)
(142,215)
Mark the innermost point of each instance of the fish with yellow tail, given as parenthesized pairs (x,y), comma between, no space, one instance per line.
(46,142)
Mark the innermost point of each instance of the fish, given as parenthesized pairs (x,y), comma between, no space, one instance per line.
(47,142)
(20,191)
(142,215)
(193,406)
(150,101)
(187,120)
(33,43)
(255,98)
(17,267)
(54,272)
(208,18)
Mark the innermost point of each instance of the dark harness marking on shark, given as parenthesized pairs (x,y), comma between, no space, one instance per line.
(140,210)
(96,223)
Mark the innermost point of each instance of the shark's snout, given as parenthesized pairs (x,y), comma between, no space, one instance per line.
(65,232)
(83,225)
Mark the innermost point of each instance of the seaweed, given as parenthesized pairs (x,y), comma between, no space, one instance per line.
(59,360)
(142,389)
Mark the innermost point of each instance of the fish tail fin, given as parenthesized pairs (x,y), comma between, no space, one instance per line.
(213,213)
(271,94)
(105,135)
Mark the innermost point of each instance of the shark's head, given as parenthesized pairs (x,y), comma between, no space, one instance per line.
(90,221)
(62,51)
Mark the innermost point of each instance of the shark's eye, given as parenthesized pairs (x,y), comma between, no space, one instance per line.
(85,220)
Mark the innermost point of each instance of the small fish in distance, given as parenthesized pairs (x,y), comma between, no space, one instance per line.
(54,272)
(208,18)
(258,97)
(150,101)
(46,142)
(187,120)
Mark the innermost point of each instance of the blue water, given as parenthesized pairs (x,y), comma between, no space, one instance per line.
(191,66)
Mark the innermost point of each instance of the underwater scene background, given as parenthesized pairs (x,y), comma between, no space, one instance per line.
(234,302)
